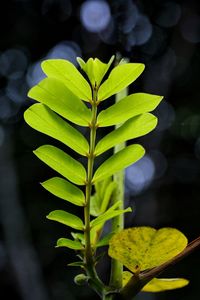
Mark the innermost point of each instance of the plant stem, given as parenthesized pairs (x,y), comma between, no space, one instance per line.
(118,222)
(94,280)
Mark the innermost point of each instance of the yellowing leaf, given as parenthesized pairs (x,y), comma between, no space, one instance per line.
(119,78)
(165,284)
(146,247)
(158,284)
(66,72)
(53,93)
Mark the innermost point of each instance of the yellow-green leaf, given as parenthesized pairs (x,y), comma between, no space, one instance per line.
(133,128)
(66,72)
(118,161)
(66,218)
(95,69)
(64,190)
(62,163)
(158,284)
(146,247)
(128,107)
(43,119)
(119,78)
(165,284)
(53,93)
(75,245)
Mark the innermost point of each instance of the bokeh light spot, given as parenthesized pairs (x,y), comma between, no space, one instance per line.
(95,15)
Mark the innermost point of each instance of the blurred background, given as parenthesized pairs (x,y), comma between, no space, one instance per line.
(163,187)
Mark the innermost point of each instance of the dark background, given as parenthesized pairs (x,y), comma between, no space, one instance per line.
(163,188)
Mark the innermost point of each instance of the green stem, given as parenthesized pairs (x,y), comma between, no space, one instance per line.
(118,222)
(94,280)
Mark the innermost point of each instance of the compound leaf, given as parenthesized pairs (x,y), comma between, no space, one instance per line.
(145,247)
(62,163)
(64,190)
(109,214)
(133,128)
(119,78)
(66,218)
(75,245)
(59,98)
(158,284)
(128,107)
(118,161)
(66,72)
(43,119)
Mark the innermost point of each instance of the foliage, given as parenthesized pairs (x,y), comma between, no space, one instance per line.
(67,99)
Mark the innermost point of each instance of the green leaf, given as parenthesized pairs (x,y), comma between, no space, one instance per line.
(158,284)
(99,205)
(62,163)
(58,97)
(64,190)
(145,247)
(105,240)
(119,78)
(66,218)
(46,121)
(109,214)
(118,161)
(66,72)
(77,264)
(133,128)
(95,69)
(128,107)
(75,245)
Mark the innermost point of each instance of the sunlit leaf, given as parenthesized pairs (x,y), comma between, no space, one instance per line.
(64,190)
(66,218)
(145,247)
(128,107)
(75,245)
(66,72)
(118,161)
(43,119)
(57,96)
(165,284)
(62,163)
(119,78)
(158,284)
(133,128)
(109,214)
(95,69)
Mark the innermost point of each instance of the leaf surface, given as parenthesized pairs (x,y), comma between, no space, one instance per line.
(66,72)
(43,119)
(64,190)
(118,161)
(158,284)
(128,107)
(53,93)
(120,77)
(62,163)
(75,245)
(133,128)
(66,218)
(145,247)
